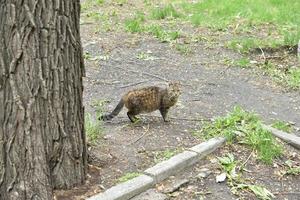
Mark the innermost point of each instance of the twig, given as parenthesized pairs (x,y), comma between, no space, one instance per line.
(175,118)
(131,143)
(143,73)
(274,57)
(263,54)
(245,162)
(190,119)
(155,76)
(133,84)
(286,193)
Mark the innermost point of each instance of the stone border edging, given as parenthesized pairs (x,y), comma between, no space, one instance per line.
(287,137)
(160,171)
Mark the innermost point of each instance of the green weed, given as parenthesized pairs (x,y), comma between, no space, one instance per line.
(164,155)
(128,176)
(98,105)
(292,169)
(162,13)
(87,4)
(133,26)
(248,126)
(87,55)
(289,78)
(94,15)
(161,34)
(245,45)
(243,62)
(237,183)
(293,78)
(183,49)
(280,125)
(222,15)
(93,129)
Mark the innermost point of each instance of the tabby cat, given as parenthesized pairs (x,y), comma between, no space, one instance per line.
(147,100)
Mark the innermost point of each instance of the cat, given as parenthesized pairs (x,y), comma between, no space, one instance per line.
(148,99)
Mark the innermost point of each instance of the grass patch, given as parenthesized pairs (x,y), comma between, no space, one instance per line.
(292,168)
(284,126)
(237,183)
(137,25)
(161,34)
(87,4)
(128,176)
(293,78)
(243,62)
(289,78)
(93,129)
(133,26)
(183,49)
(164,155)
(245,45)
(248,127)
(248,16)
(164,12)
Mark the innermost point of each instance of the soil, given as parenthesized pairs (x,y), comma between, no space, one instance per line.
(210,89)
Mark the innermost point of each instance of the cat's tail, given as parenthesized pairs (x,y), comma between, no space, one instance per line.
(114,113)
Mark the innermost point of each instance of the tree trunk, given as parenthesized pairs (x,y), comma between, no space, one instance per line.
(42,139)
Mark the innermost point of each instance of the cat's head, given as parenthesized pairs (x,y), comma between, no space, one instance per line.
(174,88)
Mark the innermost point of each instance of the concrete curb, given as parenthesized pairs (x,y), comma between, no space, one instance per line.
(289,138)
(166,168)
(160,171)
(126,190)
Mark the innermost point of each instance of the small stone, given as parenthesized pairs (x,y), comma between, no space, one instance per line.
(204,172)
(175,185)
(221,178)
(150,195)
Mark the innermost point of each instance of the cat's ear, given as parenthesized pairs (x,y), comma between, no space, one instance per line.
(177,83)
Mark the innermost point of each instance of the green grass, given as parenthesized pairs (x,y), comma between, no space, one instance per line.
(87,4)
(289,78)
(245,45)
(252,12)
(93,129)
(164,12)
(128,176)
(183,49)
(133,26)
(293,78)
(163,35)
(246,16)
(249,128)
(243,62)
(237,183)
(292,168)
(164,155)
(284,126)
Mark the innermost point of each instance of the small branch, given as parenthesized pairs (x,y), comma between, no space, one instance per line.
(143,73)
(177,118)
(245,162)
(274,57)
(286,193)
(139,137)
(263,55)
(190,119)
(133,84)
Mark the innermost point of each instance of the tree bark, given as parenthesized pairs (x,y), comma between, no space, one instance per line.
(42,138)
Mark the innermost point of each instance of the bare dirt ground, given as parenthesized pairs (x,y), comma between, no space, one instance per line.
(209,90)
